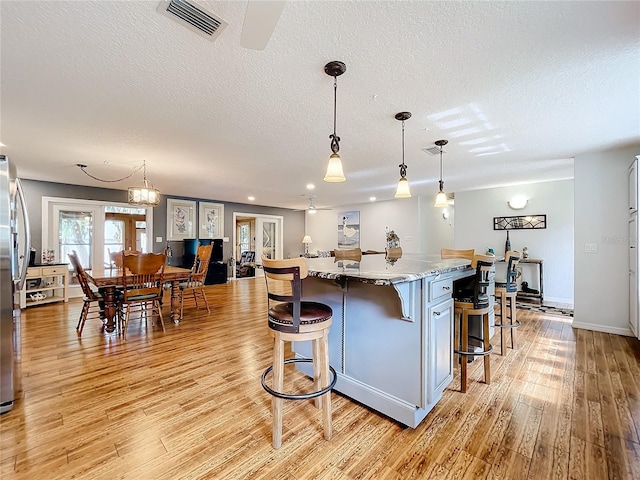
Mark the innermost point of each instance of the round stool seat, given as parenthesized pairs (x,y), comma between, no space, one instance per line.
(481,301)
(281,315)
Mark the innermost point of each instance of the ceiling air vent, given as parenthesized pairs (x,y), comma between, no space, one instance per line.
(432,150)
(204,23)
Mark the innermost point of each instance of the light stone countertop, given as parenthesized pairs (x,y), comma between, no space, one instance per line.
(378,270)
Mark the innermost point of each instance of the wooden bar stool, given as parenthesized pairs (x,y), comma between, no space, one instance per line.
(468,302)
(294,320)
(507,289)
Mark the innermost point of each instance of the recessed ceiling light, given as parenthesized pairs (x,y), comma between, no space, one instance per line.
(372,199)
(310,186)
(251,198)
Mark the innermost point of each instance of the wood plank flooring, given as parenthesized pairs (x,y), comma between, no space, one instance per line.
(188,404)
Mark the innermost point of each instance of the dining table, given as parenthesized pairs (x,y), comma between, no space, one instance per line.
(109,278)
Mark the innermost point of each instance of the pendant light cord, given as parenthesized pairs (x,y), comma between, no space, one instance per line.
(403,167)
(441,182)
(83,167)
(335,146)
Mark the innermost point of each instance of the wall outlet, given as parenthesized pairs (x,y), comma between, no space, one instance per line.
(225,239)
(158,239)
(590,248)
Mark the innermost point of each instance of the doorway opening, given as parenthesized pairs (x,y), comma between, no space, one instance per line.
(255,235)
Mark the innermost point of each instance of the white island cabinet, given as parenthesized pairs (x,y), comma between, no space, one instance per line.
(391,341)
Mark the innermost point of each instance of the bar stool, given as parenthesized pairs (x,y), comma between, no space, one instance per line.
(507,289)
(470,301)
(294,320)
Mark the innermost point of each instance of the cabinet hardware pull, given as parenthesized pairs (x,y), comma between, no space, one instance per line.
(437,314)
(446,287)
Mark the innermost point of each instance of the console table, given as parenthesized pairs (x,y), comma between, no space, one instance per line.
(535,296)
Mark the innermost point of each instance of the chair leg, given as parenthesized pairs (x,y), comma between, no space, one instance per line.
(278,385)
(126,324)
(324,382)
(464,340)
(83,317)
(181,303)
(204,297)
(486,346)
(157,305)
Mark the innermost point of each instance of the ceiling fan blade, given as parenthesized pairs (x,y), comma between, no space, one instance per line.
(260,20)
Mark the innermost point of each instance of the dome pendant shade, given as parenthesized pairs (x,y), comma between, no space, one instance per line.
(334,170)
(441,200)
(403,188)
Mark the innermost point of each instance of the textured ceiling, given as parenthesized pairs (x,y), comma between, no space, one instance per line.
(518,89)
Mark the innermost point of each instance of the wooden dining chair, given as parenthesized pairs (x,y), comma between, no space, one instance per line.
(195,284)
(116,257)
(93,305)
(142,276)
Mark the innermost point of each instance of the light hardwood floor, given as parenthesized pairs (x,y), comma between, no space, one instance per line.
(188,404)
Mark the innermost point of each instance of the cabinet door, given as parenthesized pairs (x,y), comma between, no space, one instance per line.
(440,348)
(633,186)
(634,322)
(633,244)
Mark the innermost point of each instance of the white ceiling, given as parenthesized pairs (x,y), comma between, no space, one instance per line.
(518,89)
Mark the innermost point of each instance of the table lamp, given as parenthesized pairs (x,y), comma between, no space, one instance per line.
(306,240)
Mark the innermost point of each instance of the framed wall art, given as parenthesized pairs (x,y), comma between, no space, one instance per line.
(529,222)
(211,220)
(181,219)
(348,230)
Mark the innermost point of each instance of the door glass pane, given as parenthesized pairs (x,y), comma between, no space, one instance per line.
(113,238)
(76,233)
(245,232)
(269,239)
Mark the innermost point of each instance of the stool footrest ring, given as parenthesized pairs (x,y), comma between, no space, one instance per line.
(302,396)
(507,325)
(480,353)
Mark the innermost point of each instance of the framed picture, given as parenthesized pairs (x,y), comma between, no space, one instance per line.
(181,219)
(211,220)
(348,230)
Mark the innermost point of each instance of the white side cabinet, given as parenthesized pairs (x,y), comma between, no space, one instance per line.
(45,284)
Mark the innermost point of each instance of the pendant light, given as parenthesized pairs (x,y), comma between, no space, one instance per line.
(334,169)
(441,198)
(403,184)
(144,196)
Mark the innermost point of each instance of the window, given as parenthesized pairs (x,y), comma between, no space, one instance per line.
(92,228)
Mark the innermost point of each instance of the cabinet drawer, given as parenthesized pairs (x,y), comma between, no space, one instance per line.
(440,289)
(34,272)
(60,269)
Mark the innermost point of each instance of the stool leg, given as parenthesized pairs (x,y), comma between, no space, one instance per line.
(278,385)
(486,346)
(503,321)
(512,303)
(464,340)
(317,373)
(324,382)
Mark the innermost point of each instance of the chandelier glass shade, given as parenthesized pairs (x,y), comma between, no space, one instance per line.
(144,196)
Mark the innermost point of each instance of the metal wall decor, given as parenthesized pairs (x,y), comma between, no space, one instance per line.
(520,222)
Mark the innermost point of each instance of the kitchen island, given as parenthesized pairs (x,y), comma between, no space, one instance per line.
(391,341)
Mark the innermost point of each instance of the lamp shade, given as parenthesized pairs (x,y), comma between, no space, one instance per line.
(441,199)
(144,196)
(403,188)
(306,240)
(334,170)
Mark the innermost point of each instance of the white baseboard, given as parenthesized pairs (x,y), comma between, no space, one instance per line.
(624,331)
